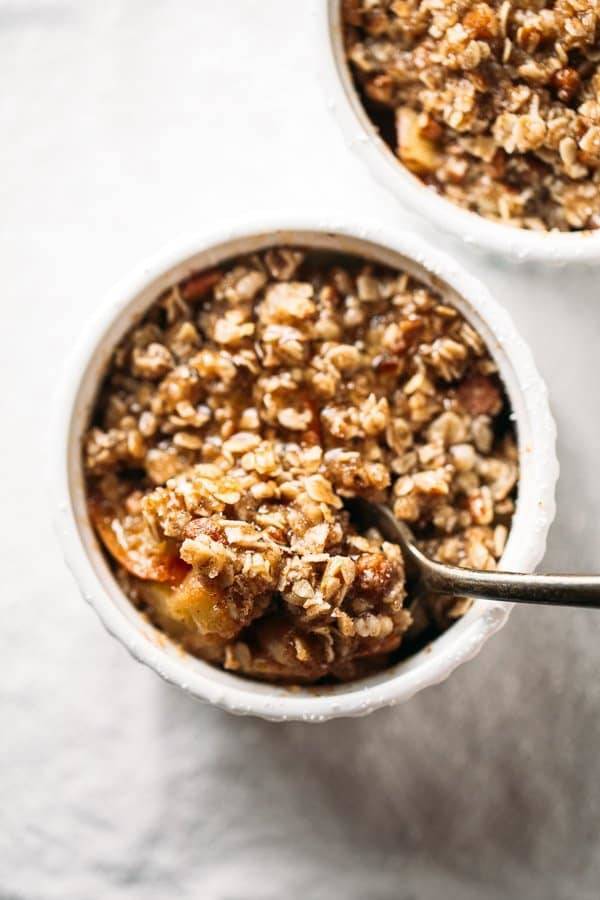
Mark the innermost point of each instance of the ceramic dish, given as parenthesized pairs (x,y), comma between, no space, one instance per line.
(535,505)
(362,136)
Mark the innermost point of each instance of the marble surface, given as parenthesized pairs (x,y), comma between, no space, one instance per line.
(122,124)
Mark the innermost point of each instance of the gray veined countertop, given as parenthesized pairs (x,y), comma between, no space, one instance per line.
(122,124)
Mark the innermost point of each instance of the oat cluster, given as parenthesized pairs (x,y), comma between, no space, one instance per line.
(242,411)
(494,104)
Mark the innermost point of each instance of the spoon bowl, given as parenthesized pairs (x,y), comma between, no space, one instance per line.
(425,575)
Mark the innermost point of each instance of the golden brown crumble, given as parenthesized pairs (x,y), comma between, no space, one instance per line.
(240,412)
(495,104)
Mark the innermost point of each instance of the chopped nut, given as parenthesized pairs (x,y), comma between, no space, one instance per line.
(480,396)
(417,152)
(566,83)
(198,285)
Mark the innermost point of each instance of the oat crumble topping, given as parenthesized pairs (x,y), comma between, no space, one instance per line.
(495,104)
(237,416)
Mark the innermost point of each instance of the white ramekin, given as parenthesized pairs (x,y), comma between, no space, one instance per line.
(535,506)
(514,244)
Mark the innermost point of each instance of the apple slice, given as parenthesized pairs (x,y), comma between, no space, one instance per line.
(130,542)
(158,597)
(197,606)
(201,604)
(417,152)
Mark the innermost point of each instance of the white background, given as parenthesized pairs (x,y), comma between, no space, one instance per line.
(124,123)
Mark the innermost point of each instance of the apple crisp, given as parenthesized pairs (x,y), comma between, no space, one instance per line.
(496,105)
(241,412)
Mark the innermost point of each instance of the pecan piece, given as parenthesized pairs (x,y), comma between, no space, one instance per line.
(479,396)
(197,286)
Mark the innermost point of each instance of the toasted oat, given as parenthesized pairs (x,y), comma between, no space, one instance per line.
(220,455)
(494,104)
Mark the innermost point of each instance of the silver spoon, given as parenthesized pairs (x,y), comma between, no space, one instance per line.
(426,575)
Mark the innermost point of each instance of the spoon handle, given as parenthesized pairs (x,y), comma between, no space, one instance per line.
(557,590)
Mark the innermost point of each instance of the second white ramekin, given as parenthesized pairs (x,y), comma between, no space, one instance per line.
(536,438)
(517,245)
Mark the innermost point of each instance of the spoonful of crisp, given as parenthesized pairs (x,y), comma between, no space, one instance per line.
(424,575)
